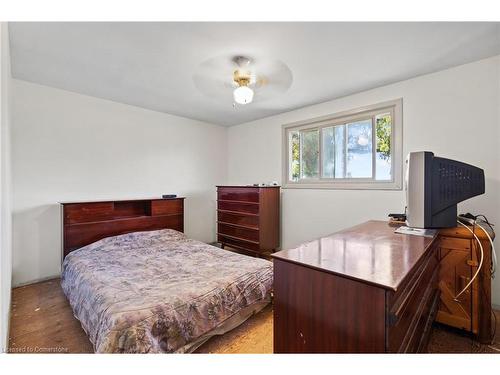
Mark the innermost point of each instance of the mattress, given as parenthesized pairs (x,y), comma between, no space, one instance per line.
(160,292)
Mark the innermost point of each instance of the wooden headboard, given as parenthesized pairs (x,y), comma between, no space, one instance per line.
(87,222)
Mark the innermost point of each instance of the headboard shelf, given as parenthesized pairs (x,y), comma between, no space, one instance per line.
(87,222)
(122,219)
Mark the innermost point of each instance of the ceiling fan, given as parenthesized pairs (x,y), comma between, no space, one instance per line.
(244,78)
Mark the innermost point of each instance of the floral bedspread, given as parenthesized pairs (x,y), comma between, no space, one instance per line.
(157,291)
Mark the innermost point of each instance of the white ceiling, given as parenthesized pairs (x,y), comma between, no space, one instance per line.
(151,65)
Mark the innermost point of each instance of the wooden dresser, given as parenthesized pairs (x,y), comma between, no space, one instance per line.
(87,222)
(361,290)
(248,218)
(459,255)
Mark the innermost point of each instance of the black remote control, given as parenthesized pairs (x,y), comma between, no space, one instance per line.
(401,217)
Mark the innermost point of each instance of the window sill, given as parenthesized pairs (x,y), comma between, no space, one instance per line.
(390,185)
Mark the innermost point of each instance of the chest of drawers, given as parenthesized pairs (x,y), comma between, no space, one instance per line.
(248,218)
(362,290)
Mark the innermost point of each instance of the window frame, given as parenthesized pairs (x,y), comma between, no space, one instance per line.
(394,107)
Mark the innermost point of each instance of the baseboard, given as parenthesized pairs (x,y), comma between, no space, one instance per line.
(36,281)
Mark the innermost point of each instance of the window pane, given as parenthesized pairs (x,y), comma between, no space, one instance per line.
(359,149)
(339,133)
(383,124)
(333,152)
(294,155)
(309,154)
(328,152)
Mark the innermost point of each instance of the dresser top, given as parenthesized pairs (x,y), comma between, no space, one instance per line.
(370,252)
(247,186)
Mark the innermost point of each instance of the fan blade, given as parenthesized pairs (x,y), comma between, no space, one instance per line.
(213,86)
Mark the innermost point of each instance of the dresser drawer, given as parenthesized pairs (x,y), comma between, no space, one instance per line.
(424,326)
(455,243)
(424,316)
(167,207)
(251,208)
(243,233)
(238,218)
(237,243)
(239,194)
(429,260)
(407,304)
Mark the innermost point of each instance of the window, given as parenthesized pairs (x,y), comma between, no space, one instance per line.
(358,149)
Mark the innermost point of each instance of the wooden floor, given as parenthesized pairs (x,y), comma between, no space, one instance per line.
(42,322)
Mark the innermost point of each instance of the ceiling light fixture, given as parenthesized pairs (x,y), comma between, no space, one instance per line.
(242,77)
(243,95)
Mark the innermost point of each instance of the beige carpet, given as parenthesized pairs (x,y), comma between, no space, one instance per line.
(254,336)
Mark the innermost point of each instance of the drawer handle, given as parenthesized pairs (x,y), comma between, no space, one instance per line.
(302,338)
(472,263)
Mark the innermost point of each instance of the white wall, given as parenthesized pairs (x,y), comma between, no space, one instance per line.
(454,113)
(5,197)
(67,146)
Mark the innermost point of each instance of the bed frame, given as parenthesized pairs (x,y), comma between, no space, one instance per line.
(87,222)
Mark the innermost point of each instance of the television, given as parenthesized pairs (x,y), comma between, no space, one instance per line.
(435,185)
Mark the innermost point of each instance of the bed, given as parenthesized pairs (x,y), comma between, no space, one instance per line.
(157,291)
